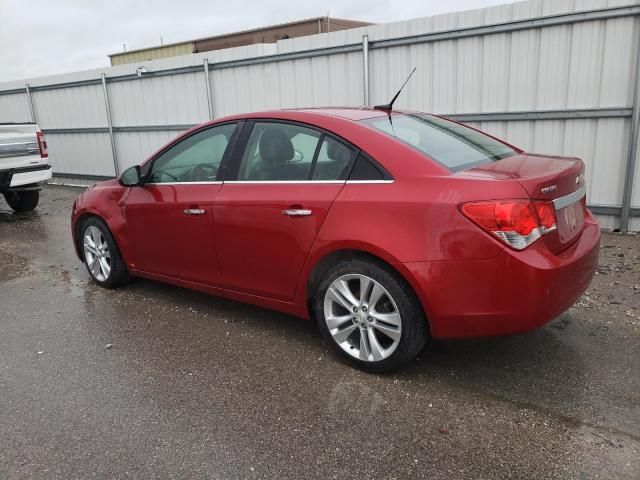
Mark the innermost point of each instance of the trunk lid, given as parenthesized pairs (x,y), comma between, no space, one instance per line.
(558,179)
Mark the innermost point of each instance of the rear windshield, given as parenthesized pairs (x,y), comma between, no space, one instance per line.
(453,145)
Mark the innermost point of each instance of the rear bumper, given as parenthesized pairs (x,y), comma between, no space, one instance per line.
(511,293)
(16,177)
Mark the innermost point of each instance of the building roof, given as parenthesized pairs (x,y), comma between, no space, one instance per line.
(242,32)
(149,48)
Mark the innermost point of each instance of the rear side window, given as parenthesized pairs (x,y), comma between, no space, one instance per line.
(279,151)
(334,160)
(453,145)
(290,152)
(367,169)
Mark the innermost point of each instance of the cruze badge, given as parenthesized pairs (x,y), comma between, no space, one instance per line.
(549,189)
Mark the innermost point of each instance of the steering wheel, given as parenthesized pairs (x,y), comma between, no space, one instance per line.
(203,172)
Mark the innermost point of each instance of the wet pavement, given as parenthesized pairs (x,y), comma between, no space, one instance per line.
(154,381)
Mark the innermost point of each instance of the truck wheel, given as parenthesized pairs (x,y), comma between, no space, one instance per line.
(22,201)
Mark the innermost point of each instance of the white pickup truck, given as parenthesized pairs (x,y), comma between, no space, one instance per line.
(24,164)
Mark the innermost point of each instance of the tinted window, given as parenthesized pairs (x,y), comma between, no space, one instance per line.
(334,160)
(279,151)
(367,169)
(451,144)
(195,159)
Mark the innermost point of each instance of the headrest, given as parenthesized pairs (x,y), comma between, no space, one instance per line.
(275,146)
(338,152)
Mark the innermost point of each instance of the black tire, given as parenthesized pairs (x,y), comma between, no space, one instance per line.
(414,327)
(22,202)
(119,274)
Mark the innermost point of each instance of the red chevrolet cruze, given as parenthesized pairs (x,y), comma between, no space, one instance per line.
(387,228)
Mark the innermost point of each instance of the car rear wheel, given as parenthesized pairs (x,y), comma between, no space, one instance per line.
(23,201)
(101,255)
(370,316)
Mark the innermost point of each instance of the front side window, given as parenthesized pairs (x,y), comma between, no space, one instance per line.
(453,145)
(288,152)
(195,159)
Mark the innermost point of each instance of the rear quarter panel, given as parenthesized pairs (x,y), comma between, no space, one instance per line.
(409,220)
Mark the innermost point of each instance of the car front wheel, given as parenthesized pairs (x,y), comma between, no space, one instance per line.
(101,255)
(370,315)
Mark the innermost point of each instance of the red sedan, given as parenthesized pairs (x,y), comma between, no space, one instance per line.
(387,228)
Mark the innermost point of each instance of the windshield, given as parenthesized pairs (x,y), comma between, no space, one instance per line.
(453,145)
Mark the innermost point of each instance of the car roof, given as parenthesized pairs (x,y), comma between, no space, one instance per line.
(353,114)
(350,113)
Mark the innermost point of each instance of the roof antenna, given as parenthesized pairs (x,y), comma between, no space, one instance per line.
(389,106)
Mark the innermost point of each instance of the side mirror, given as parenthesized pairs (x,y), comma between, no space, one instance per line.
(131,177)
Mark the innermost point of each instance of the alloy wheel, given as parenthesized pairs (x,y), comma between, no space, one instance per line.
(96,253)
(362,317)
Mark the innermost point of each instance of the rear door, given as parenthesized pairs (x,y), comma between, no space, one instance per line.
(280,186)
(170,215)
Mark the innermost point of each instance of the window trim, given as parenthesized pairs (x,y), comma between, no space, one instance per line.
(284,182)
(212,182)
(357,182)
(239,125)
(235,161)
(314,160)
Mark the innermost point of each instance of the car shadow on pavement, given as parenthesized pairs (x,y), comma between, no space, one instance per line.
(536,367)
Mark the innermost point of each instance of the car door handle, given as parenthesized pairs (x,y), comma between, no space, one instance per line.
(194,211)
(297,212)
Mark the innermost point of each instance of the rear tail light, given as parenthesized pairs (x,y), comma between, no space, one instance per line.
(42,145)
(518,223)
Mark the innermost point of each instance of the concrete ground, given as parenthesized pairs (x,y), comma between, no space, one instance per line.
(193,386)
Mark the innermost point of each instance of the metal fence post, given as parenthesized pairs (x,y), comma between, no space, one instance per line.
(365,68)
(32,110)
(107,106)
(208,86)
(634,136)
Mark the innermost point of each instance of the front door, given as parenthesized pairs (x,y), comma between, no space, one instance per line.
(267,216)
(170,216)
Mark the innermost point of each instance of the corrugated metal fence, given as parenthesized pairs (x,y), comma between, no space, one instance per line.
(556,77)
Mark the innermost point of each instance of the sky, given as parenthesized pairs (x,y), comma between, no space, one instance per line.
(47,37)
